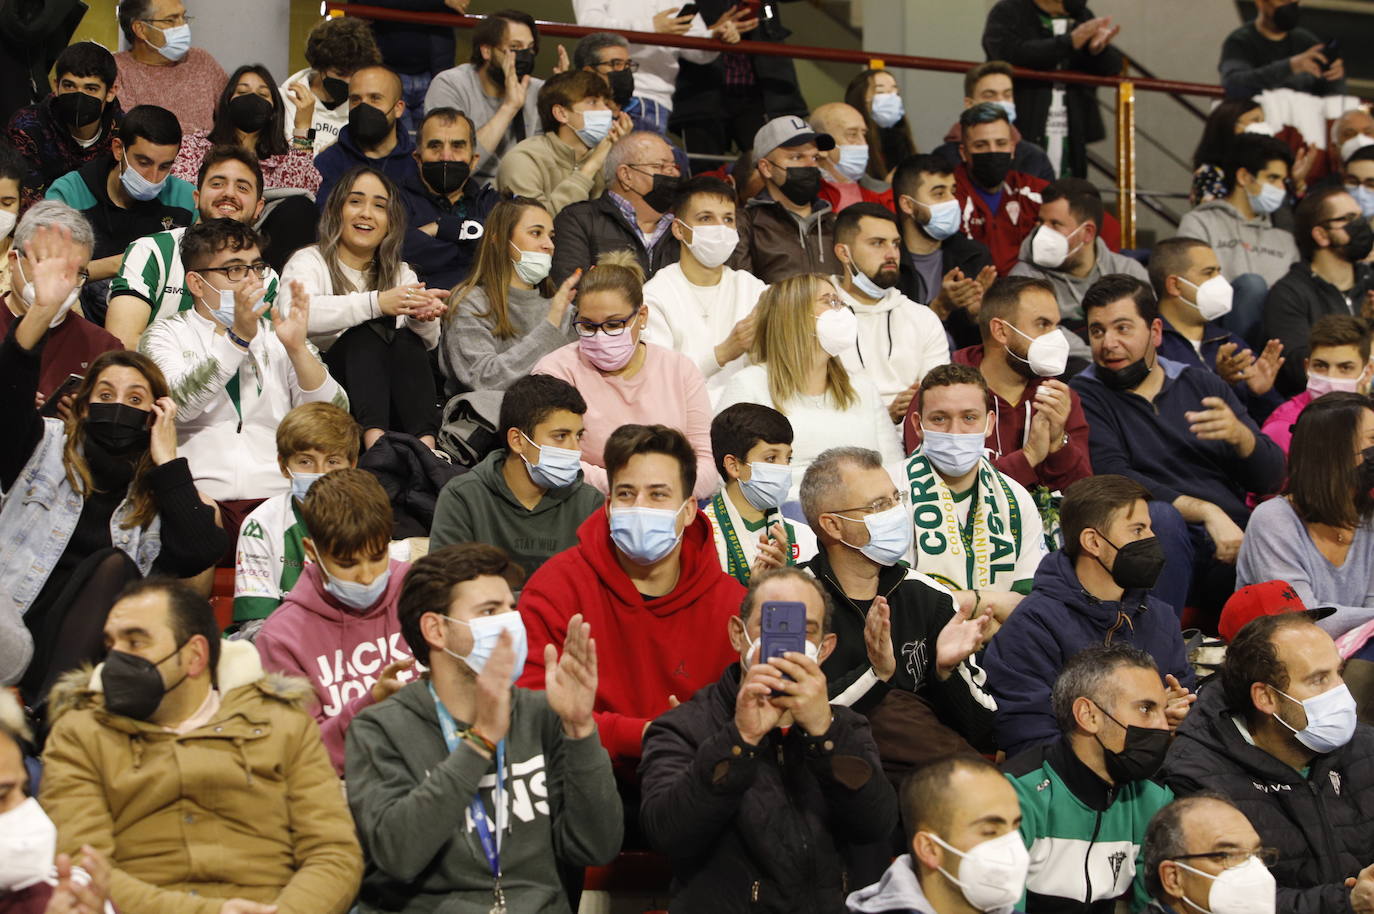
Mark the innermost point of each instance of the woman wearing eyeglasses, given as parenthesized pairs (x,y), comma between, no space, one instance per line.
(802,328)
(624,379)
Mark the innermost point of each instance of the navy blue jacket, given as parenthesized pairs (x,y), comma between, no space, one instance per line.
(1150,442)
(444,260)
(1178,348)
(1055,621)
(345,154)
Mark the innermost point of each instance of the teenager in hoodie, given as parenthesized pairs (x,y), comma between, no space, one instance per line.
(1096,590)
(528,497)
(337,628)
(644,574)
(469,794)
(964,847)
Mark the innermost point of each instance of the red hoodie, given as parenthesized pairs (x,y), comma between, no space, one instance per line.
(1004,230)
(647,649)
(341,651)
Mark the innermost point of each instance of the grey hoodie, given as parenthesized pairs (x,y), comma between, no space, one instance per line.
(898,892)
(1242,245)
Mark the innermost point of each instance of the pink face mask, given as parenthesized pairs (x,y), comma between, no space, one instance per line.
(608,353)
(1321,384)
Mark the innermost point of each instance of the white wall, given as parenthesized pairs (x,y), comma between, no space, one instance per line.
(244,31)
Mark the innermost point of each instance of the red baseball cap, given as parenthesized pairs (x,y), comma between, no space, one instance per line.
(1267,598)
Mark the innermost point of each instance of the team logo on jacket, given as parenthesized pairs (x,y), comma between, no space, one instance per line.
(1116,860)
(916,654)
(1335,781)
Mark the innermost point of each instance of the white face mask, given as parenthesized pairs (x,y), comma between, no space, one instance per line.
(27,294)
(1354,145)
(711,245)
(1048,354)
(1049,249)
(1259,128)
(7,223)
(532,266)
(751,653)
(992,875)
(1212,298)
(1330,719)
(1245,889)
(837,330)
(28,841)
(887,109)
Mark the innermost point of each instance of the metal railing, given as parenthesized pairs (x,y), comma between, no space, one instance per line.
(1125,87)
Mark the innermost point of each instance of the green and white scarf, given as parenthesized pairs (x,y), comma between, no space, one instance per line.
(979,554)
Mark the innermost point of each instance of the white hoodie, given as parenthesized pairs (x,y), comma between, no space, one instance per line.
(327,123)
(899,341)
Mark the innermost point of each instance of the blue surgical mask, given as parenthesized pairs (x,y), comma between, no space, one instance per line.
(301,483)
(355,595)
(889,534)
(1365,197)
(887,109)
(953,454)
(1010,108)
(1270,198)
(176,42)
(767,485)
(596,125)
(486,634)
(645,535)
(852,161)
(557,466)
(224,314)
(137,186)
(862,281)
(944,219)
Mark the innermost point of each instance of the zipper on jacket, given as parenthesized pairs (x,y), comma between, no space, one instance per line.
(808,848)
(1332,852)
(1087,858)
(754,892)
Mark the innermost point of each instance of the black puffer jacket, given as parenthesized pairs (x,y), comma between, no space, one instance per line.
(777,827)
(589,228)
(1322,825)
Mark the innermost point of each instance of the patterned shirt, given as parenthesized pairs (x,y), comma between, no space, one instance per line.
(627,210)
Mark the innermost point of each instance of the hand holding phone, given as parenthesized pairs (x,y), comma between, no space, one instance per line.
(783,627)
(67,388)
(688,10)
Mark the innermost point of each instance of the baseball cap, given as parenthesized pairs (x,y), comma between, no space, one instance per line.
(789,130)
(1267,598)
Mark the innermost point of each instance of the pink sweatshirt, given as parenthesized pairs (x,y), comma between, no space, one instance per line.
(341,651)
(188,88)
(1279,425)
(668,390)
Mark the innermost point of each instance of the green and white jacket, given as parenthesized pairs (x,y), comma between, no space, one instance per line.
(152,271)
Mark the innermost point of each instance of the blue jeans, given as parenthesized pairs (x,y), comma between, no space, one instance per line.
(1176,541)
(413,89)
(1246,317)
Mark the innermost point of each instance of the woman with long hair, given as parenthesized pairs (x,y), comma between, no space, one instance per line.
(505,316)
(94,500)
(624,379)
(1318,535)
(802,328)
(372,318)
(1228,119)
(874,94)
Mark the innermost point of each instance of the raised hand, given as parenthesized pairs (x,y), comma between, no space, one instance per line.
(51,262)
(773,550)
(896,410)
(249,306)
(1103,37)
(1233,362)
(570,680)
(805,694)
(304,100)
(563,65)
(878,639)
(740,340)
(1217,422)
(162,443)
(291,327)
(516,86)
(1265,370)
(563,298)
(493,691)
(755,712)
(389,683)
(668,22)
(1086,31)
(1178,700)
(1053,400)
(960,637)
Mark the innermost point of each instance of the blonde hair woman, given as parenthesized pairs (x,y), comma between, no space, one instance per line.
(802,329)
(624,379)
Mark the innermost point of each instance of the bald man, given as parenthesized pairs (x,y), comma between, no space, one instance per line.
(1191,844)
(1350,131)
(371,137)
(844,169)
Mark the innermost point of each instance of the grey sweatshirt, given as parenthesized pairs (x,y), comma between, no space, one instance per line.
(1242,245)
(410,796)
(473,355)
(898,892)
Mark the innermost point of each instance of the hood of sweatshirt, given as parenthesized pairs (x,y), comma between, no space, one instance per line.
(887,304)
(489,471)
(898,892)
(1056,582)
(404,145)
(309,594)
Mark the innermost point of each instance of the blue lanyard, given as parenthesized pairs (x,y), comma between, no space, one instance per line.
(488,827)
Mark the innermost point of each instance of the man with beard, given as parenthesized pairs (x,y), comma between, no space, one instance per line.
(899,339)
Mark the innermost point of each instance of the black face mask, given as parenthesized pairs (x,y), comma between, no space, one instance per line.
(989,169)
(1138,564)
(133,686)
(524,62)
(660,196)
(249,112)
(117,429)
(622,86)
(803,185)
(335,90)
(1286,17)
(1128,378)
(367,125)
(75,110)
(445,177)
(1141,757)
(1361,240)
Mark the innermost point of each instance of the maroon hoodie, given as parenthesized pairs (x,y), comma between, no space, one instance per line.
(342,651)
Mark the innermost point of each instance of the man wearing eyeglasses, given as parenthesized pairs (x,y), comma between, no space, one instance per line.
(161,68)
(1202,854)
(235,371)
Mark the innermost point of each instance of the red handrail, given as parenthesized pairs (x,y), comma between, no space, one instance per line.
(771,49)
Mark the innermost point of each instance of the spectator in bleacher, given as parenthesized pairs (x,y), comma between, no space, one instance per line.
(1097,590)
(466,752)
(417,52)
(752,447)
(334,50)
(1272,52)
(963,846)
(445,206)
(13,170)
(1087,798)
(151,282)
(954,487)
(1176,429)
(127,194)
(644,574)
(702,306)
(495,87)
(844,169)
(991,82)
(899,340)
(1228,120)
(371,137)
(791,227)
(633,213)
(903,648)
(312,440)
(506,316)
(564,163)
(72,125)
(998,206)
(161,68)
(1359,178)
(1211,852)
(625,379)
(1194,298)
(32,38)
(105,485)
(940,266)
(1054,35)
(802,330)
(74,343)
(758,788)
(162,739)
(527,497)
(1331,278)
(368,312)
(1353,130)
(1318,537)
(1280,715)
(342,608)
(876,96)
(1337,360)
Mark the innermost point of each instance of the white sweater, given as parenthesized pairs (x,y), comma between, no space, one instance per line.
(693,319)
(327,123)
(658,65)
(232,451)
(899,341)
(818,424)
(330,314)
